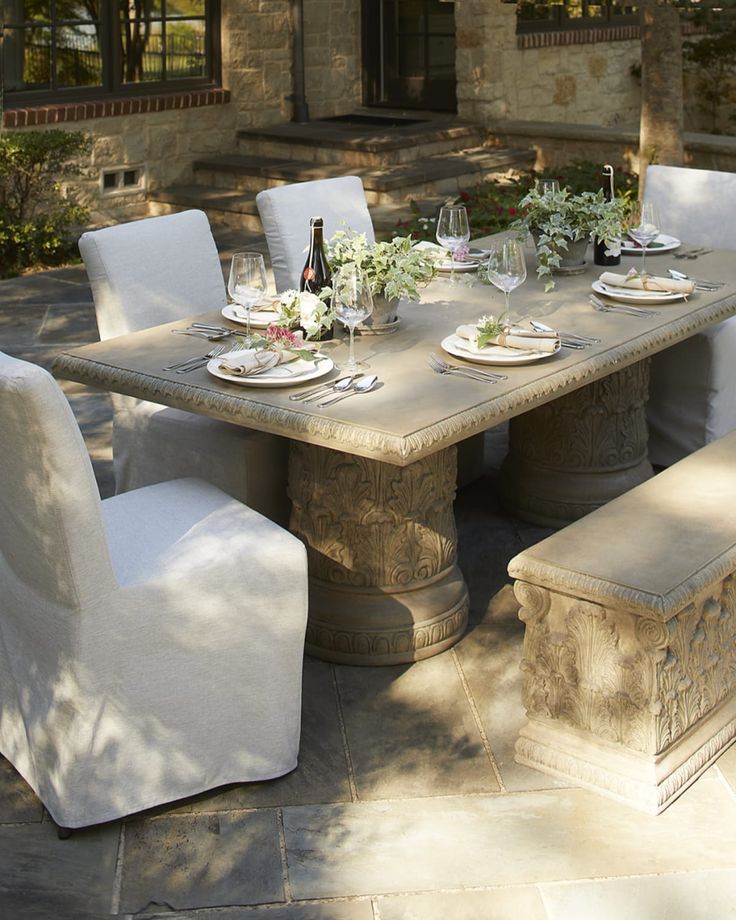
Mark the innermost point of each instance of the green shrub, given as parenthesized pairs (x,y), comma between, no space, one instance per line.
(494,206)
(35,215)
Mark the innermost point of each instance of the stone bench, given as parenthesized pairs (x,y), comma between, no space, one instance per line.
(629,662)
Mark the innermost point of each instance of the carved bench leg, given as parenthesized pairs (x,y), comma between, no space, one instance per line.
(384,583)
(628,705)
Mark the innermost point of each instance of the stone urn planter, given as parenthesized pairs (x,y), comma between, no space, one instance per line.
(385,316)
(572,259)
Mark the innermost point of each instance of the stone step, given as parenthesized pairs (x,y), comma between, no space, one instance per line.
(360,144)
(238,209)
(444,174)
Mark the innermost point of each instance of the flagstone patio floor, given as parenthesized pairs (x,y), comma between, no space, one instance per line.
(407,803)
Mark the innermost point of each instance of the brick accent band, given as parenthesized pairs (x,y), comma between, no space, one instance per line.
(58,113)
(551,38)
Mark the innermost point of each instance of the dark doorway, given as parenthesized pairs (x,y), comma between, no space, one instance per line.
(409,54)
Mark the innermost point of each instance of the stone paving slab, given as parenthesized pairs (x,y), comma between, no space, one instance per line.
(190,861)
(423,845)
(18,802)
(522,903)
(690,896)
(411,731)
(323,910)
(38,867)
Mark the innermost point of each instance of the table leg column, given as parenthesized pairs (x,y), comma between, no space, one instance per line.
(576,453)
(384,583)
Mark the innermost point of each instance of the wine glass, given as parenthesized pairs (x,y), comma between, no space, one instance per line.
(352,302)
(247,282)
(643,226)
(507,268)
(453,230)
(549,187)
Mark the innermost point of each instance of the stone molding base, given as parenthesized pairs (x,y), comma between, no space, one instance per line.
(649,784)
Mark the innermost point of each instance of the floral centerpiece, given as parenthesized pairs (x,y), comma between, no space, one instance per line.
(393,269)
(559,219)
(312,313)
(277,338)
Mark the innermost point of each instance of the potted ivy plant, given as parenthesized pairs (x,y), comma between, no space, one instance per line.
(562,223)
(394,269)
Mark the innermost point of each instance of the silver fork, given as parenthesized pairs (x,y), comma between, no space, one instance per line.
(440,366)
(180,366)
(620,308)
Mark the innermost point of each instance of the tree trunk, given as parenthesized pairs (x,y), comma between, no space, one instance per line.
(660,132)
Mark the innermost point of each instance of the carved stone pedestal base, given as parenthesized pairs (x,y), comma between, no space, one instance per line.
(576,453)
(384,584)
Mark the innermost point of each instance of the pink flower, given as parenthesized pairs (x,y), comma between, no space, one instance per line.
(461,252)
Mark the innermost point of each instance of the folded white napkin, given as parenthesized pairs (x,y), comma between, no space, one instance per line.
(269,304)
(252,361)
(522,339)
(647,283)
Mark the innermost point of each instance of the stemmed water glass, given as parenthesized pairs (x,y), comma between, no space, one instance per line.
(507,268)
(643,226)
(453,231)
(352,302)
(247,282)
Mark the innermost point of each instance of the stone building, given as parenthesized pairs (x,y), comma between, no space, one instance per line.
(167,87)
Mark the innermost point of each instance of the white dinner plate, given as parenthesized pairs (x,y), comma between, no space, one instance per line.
(283,375)
(663,243)
(444,265)
(631,296)
(259,319)
(493,354)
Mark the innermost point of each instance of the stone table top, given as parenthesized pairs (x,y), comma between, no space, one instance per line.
(415,411)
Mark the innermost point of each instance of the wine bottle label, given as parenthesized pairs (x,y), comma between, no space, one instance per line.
(309,274)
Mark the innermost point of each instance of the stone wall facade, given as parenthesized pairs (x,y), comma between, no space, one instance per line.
(588,83)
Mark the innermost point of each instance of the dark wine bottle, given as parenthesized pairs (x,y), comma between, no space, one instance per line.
(600,257)
(316,272)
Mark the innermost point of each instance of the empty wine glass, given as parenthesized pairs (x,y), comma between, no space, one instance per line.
(507,268)
(643,226)
(453,230)
(352,302)
(549,187)
(247,282)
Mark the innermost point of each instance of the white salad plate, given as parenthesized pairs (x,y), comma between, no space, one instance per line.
(493,354)
(283,375)
(259,319)
(625,295)
(663,243)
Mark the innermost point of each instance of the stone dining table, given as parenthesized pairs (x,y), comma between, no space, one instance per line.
(372,478)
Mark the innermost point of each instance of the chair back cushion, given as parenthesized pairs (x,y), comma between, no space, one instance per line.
(152,271)
(695,205)
(51,531)
(285,212)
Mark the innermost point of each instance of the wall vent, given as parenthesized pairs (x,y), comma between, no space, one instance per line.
(122,180)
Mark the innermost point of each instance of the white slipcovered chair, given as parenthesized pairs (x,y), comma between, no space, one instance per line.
(151,644)
(285,212)
(692,392)
(155,271)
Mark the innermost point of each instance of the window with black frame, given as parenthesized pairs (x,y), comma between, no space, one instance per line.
(558,15)
(75,49)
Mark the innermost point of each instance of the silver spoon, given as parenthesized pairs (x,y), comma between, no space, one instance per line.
(681,276)
(339,386)
(362,386)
